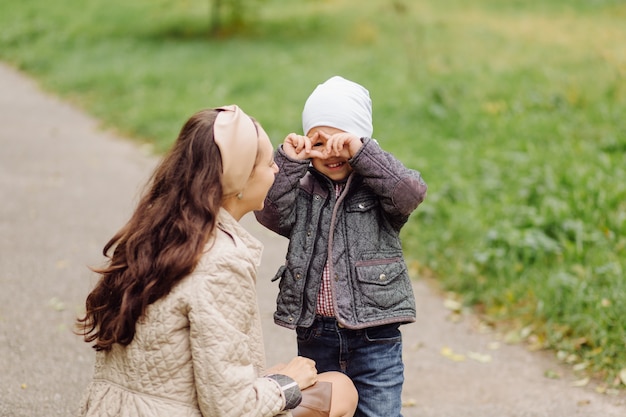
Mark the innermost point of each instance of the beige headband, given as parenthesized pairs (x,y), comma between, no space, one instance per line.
(236,136)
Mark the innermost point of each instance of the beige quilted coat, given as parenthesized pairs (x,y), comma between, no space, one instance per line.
(199,350)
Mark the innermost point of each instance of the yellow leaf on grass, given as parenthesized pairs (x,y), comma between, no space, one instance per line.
(622,376)
(581,366)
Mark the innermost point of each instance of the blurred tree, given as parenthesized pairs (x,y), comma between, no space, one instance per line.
(229,15)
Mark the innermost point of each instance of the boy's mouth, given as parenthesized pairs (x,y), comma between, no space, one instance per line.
(335,165)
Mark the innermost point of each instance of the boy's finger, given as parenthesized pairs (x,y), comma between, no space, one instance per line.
(324,135)
(301,143)
(292,139)
(330,140)
(307,144)
(315,153)
(336,144)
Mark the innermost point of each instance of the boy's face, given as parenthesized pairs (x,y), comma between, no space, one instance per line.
(336,168)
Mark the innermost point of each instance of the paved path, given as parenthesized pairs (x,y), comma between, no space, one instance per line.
(65,188)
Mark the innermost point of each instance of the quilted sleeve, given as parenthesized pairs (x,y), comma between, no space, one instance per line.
(399,188)
(227,379)
(278,213)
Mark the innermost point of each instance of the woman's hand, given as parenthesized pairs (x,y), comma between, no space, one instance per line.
(302,370)
(276,369)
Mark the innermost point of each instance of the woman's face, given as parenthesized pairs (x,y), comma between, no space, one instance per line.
(263,173)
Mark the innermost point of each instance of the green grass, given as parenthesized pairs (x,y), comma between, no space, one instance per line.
(513,112)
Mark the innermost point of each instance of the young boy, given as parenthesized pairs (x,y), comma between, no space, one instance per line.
(341,200)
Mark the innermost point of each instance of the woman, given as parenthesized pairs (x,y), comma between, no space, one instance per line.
(174,317)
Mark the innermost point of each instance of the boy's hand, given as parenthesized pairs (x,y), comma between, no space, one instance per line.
(298,146)
(342,144)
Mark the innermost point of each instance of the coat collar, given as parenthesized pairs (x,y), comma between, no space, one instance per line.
(227,223)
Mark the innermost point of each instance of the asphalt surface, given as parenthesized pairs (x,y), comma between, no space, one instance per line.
(66,186)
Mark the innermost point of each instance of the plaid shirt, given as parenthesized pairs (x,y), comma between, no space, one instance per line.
(325,305)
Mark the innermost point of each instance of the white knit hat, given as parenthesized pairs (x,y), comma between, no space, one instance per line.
(339,103)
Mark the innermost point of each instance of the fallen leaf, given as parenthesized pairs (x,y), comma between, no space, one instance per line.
(494,345)
(62,263)
(454,317)
(484,328)
(561,355)
(23,386)
(581,341)
(451,304)
(512,337)
(581,382)
(409,403)
(551,374)
(56,304)
(596,351)
(479,357)
(536,342)
(581,366)
(622,376)
(583,402)
(417,346)
(448,353)
(526,332)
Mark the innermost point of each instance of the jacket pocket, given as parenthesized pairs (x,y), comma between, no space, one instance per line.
(383,284)
(289,299)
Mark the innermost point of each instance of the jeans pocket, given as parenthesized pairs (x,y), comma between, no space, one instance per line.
(304,334)
(389,333)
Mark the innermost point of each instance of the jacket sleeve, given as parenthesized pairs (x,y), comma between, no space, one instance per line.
(400,189)
(279,211)
(227,380)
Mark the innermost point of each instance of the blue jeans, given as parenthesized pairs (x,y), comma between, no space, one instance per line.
(371,357)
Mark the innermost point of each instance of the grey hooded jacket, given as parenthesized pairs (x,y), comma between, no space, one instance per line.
(358,230)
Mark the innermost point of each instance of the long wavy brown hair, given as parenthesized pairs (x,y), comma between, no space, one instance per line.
(163,240)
